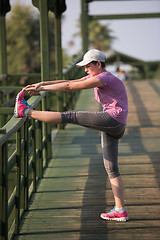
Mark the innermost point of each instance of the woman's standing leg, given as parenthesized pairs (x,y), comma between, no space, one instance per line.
(110,157)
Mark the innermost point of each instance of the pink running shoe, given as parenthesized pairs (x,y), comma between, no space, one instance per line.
(21,105)
(116,216)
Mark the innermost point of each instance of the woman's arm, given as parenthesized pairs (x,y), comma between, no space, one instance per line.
(66,86)
(52,82)
(37,87)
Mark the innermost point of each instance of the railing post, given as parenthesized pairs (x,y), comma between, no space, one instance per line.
(26,159)
(84,24)
(3,55)
(49,129)
(39,163)
(5,7)
(18,191)
(39,143)
(58,57)
(58,50)
(33,134)
(4,192)
(44,40)
(45,71)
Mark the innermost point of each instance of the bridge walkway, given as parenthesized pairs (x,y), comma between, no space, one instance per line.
(75,188)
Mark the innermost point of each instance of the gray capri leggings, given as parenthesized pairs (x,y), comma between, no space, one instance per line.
(111,132)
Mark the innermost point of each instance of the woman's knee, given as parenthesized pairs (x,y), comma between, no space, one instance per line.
(111,169)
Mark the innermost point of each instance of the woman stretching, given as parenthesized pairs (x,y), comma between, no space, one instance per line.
(110,92)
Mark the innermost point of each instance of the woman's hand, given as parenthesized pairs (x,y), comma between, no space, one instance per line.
(34,89)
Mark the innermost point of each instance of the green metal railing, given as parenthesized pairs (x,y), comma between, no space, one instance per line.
(25,149)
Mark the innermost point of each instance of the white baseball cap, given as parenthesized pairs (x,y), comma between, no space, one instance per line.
(92,55)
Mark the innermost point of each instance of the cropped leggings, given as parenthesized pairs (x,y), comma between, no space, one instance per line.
(111,132)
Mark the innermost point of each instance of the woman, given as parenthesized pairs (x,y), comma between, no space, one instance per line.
(110,92)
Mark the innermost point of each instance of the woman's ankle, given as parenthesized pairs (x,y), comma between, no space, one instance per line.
(28,112)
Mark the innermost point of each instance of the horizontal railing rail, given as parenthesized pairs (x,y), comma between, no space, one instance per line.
(25,150)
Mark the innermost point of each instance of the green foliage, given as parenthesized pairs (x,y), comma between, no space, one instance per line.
(23,40)
(100,36)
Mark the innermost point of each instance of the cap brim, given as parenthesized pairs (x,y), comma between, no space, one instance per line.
(82,63)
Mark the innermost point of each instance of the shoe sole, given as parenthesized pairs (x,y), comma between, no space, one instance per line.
(122,219)
(16,105)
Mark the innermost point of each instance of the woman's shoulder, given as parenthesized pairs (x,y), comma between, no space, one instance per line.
(105,77)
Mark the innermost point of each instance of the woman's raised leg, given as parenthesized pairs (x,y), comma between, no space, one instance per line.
(45,116)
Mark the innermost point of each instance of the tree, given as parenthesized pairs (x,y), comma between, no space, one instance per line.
(100,36)
(23,40)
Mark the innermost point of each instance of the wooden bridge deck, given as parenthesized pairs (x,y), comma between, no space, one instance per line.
(75,188)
